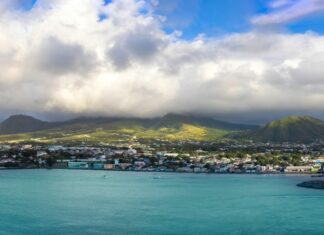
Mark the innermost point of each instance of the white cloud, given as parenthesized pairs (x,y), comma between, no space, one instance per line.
(56,57)
(287,10)
(59,59)
(280,3)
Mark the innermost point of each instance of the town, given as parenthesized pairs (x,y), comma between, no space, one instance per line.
(195,157)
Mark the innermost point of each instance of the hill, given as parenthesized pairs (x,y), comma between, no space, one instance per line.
(104,129)
(22,123)
(303,129)
(174,120)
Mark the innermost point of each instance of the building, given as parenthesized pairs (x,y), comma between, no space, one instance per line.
(171,154)
(78,165)
(319,160)
(60,164)
(124,166)
(131,152)
(98,166)
(139,163)
(41,153)
(298,169)
(109,166)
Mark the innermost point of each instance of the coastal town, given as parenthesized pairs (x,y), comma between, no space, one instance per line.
(190,157)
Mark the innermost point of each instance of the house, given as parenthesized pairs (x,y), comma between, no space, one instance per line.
(124,166)
(109,166)
(55,148)
(5,147)
(131,152)
(319,160)
(27,146)
(171,154)
(41,153)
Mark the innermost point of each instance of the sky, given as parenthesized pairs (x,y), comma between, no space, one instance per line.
(245,61)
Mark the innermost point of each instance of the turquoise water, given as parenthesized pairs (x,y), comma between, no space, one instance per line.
(97,202)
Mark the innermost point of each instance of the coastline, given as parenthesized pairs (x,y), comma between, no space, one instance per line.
(178,172)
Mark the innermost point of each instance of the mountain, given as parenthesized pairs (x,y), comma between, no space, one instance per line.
(102,129)
(22,123)
(22,128)
(174,120)
(303,129)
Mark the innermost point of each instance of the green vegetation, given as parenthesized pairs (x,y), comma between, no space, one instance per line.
(171,127)
(116,133)
(294,120)
(303,129)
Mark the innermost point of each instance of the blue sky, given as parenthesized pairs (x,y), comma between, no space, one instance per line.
(219,17)
(209,16)
(309,23)
(26,4)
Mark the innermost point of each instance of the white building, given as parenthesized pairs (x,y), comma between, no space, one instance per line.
(299,169)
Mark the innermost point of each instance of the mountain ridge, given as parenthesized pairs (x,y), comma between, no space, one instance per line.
(16,124)
(303,129)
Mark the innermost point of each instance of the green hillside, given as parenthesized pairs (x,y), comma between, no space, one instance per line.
(94,130)
(116,134)
(172,127)
(302,129)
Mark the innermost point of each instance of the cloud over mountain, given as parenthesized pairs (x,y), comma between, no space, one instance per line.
(61,58)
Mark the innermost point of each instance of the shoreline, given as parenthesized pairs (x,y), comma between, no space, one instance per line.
(199,173)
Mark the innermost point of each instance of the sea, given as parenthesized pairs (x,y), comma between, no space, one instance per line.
(85,202)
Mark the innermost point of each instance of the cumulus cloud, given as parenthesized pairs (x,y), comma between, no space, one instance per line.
(134,46)
(60,59)
(283,11)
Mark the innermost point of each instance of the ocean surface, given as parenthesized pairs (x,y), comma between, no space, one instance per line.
(81,202)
